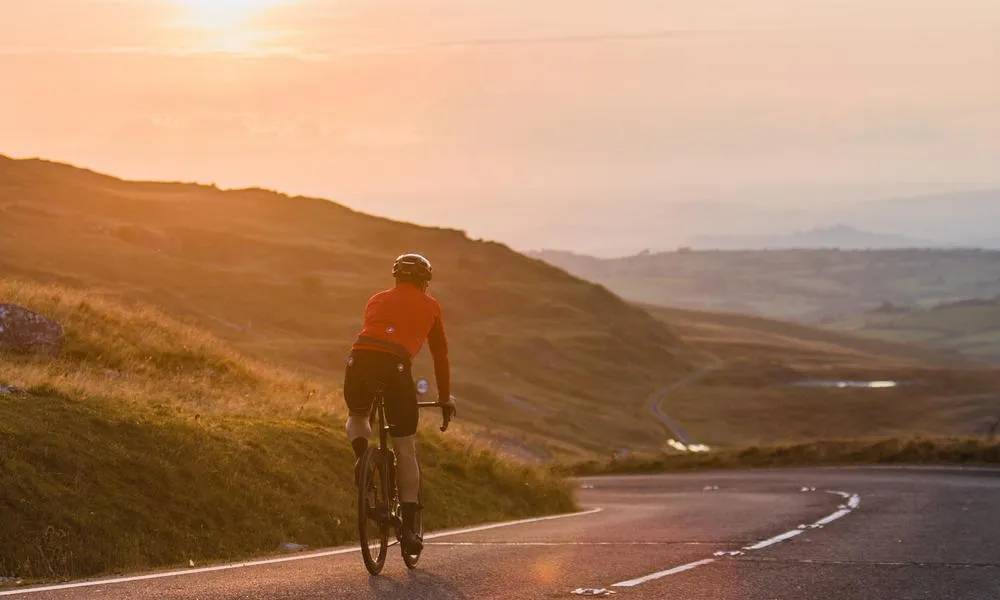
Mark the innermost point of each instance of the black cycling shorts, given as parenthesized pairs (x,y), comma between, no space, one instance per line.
(368,368)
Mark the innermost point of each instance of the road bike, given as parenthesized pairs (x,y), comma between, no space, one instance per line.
(378,497)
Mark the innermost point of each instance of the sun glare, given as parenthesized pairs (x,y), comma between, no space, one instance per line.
(219,15)
(227,25)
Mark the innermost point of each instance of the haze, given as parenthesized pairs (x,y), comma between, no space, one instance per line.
(542,123)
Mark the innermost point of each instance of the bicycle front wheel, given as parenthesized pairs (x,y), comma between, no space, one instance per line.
(373,511)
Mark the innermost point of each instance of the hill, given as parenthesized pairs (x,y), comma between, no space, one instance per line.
(769,383)
(971,327)
(800,285)
(838,236)
(537,353)
(150,443)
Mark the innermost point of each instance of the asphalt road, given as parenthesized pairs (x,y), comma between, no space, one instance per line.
(796,534)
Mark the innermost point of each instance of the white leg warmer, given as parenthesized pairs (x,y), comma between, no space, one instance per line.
(358,427)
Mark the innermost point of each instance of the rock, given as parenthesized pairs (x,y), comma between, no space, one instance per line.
(24,331)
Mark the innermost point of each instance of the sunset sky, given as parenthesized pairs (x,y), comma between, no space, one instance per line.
(435,110)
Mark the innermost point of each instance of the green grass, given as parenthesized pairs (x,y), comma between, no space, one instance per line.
(285,280)
(893,451)
(149,444)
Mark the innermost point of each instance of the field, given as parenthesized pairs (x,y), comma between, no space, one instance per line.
(970,327)
(542,360)
(750,398)
(149,443)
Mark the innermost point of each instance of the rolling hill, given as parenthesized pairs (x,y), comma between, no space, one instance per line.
(798,285)
(541,359)
(971,327)
(547,365)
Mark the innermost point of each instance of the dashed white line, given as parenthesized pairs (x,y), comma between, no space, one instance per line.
(668,572)
(776,539)
(273,561)
(831,518)
(853,501)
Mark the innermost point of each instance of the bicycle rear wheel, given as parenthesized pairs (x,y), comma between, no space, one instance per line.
(373,512)
(418,526)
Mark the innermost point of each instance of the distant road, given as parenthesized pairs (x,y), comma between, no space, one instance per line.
(656,401)
(838,534)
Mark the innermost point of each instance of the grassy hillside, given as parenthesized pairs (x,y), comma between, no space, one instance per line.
(150,443)
(971,327)
(538,354)
(749,398)
(796,285)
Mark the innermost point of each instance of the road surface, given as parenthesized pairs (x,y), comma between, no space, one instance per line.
(798,534)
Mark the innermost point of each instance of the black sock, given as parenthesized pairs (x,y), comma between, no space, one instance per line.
(359,445)
(409,510)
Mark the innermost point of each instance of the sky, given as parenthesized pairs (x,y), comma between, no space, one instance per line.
(541,123)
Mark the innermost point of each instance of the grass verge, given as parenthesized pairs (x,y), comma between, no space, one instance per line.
(893,451)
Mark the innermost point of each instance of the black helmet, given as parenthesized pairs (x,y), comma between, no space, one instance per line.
(412,267)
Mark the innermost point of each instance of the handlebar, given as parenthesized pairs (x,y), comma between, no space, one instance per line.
(446,415)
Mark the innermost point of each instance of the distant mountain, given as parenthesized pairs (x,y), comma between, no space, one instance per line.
(957,217)
(838,236)
(607,228)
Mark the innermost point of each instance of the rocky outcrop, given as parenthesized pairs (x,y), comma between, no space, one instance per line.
(24,331)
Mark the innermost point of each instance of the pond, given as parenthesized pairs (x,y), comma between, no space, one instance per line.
(833,383)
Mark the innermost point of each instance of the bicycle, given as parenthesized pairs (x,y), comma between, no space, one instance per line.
(378,496)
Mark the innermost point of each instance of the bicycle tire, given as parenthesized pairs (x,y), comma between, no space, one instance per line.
(373,503)
(411,560)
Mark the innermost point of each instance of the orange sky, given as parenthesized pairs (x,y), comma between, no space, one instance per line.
(435,110)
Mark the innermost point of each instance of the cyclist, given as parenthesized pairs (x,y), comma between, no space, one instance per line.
(397,322)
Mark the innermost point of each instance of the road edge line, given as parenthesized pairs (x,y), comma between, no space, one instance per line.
(278,560)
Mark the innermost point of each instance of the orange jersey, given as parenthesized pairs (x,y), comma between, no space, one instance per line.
(399,320)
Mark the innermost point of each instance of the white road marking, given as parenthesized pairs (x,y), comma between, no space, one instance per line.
(668,572)
(273,561)
(544,544)
(442,534)
(853,501)
(776,539)
(831,518)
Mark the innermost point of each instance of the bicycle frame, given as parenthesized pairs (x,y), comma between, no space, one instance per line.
(388,456)
(386,513)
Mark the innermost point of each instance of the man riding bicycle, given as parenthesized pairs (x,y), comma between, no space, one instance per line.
(397,322)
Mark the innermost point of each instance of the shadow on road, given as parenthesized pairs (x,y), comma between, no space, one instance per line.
(415,585)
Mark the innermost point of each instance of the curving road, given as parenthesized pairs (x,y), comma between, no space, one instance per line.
(655,402)
(800,534)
